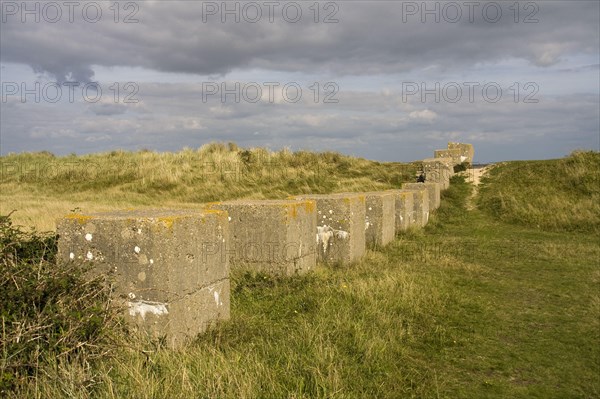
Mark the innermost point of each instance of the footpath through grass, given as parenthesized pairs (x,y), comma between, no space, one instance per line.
(471,307)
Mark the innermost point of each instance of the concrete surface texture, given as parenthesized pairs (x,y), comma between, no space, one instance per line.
(420,206)
(467,152)
(340,232)
(439,170)
(272,236)
(404,209)
(433,190)
(165,265)
(454,153)
(380,224)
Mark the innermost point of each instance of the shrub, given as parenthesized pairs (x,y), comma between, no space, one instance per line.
(49,310)
(461,167)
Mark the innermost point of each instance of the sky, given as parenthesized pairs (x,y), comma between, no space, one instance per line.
(384,80)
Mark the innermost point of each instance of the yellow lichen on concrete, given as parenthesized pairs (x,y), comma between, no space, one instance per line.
(310,206)
(80,218)
(292,210)
(220,213)
(167,221)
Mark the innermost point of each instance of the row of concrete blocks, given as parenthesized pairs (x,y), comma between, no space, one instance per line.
(170,268)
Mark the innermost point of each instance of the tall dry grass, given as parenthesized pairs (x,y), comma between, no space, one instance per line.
(42,187)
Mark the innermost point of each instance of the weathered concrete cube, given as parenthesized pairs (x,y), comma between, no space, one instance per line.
(271,236)
(404,209)
(380,224)
(340,226)
(438,170)
(454,153)
(421,206)
(433,190)
(163,264)
(467,152)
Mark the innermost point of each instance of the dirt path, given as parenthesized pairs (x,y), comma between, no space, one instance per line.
(474,175)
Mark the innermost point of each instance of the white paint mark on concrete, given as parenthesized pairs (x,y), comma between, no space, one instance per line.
(342,234)
(88,237)
(326,233)
(144,307)
(137,249)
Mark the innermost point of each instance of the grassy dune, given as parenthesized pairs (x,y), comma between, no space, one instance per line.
(42,187)
(471,307)
(559,195)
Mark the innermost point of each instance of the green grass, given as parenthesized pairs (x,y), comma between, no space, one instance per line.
(560,195)
(470,307)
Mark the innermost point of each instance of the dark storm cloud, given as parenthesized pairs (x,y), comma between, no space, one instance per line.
(370,37)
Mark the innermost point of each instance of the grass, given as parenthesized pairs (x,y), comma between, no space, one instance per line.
(559,195)
(472,306)
(43,187)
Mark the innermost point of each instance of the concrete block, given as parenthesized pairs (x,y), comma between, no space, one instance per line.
(404,209)
(421,206)
(467,152)
(433,190)
(380,224)
(454,153)
(438,170)
(271,236)
(162,263)
(340,226)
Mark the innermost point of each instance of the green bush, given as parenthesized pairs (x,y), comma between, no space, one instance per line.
(461,167)
(49,311)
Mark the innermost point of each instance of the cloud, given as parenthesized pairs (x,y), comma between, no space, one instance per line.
(361,125)
(370,52)
(369,38)
(108,108)
(425,115)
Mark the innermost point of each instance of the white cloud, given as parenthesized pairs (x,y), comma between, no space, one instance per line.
(425,115)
